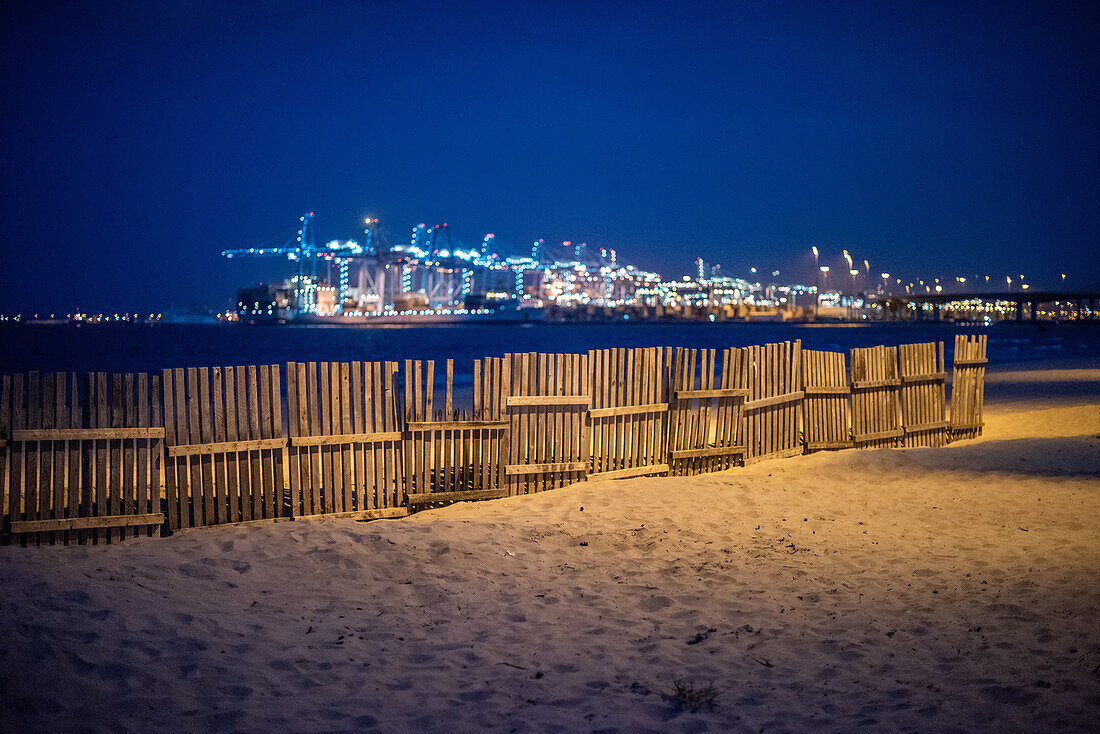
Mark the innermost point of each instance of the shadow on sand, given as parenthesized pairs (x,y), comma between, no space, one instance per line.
(1041,457)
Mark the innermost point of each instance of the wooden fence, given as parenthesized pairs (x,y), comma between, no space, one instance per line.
(876,407)
(968,386)
(923,394)
(225,444)
(452,454)
(547,399)
(96,458)
(81,456)
(827,407)
(628,413)
(344,454)
(707,427)
(773,413)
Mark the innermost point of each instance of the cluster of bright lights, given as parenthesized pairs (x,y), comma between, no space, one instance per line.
(84,318)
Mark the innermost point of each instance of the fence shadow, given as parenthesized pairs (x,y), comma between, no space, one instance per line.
(1061,456)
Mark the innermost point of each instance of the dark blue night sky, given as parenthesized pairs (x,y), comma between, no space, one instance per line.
(140,139)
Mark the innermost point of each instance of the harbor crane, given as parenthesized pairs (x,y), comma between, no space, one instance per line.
(301,247)
(444,268)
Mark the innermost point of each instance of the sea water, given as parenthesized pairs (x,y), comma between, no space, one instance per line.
(151,348)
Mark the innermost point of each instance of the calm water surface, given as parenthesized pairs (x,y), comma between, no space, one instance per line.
(125,348)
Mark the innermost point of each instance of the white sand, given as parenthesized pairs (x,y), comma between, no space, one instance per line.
(936,590)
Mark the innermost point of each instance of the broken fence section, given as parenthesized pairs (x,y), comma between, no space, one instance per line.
(827,406)
(454,454)
(968,386)
(706,432)
(773,410)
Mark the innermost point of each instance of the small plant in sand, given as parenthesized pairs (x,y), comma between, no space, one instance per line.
(686,696)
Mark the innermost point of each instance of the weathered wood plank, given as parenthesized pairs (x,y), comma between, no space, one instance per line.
(934,377)
(84,523)
(870,384)
(716,392)
(634,471)
(790,397)
(708,451)
(340,439)
(628,410)
(926,427)
(548,400)
(826,445)
(226,447)
(524,469)
(87,434)
(422,498)
(418,426)
(865,437)
(826,390)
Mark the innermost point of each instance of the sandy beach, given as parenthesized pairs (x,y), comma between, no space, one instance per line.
(934,590)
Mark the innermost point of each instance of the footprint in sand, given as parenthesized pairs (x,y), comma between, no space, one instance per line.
(237,691)
(209,569)
(653,603)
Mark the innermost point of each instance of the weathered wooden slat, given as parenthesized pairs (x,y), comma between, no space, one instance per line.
(360,460)
(345,438)
(823,445)
(717,392)
(225,447)
(416,426)
(84,523)
(870,384)
(926,427)
(827,390)
(628,410)
(865,437)
(205,429)
(790,397)
(232,463)
(523,469)
(548,400)
(971,362)
(116,467)
(967,426)
(934,377)
(634,471)
(187,486)
(86,434)
(423,498)
(709,451)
